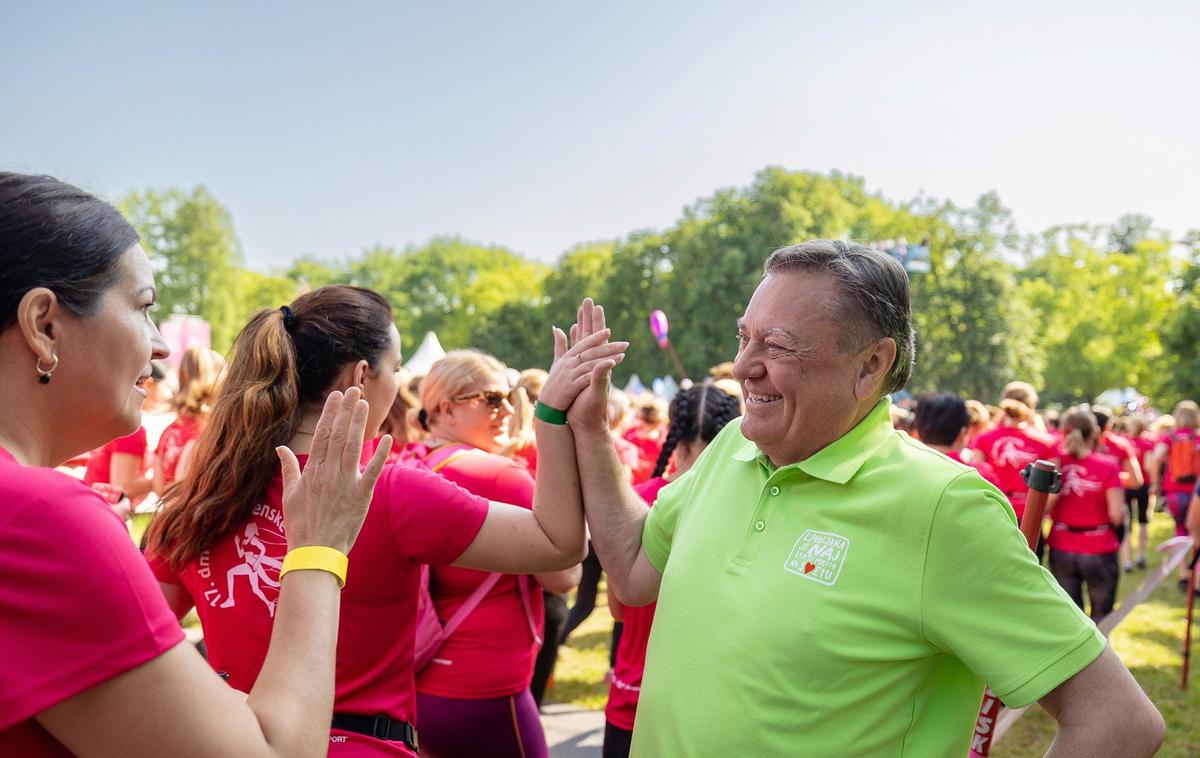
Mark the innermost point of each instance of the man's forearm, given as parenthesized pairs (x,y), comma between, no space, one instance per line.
(614,511)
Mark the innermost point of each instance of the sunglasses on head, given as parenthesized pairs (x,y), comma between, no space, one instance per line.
(494,398)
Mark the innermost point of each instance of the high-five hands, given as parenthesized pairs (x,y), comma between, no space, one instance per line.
(580,373)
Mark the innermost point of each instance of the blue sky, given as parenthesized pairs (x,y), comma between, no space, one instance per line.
(327,127)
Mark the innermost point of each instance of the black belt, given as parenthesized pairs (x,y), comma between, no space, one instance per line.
(380,727)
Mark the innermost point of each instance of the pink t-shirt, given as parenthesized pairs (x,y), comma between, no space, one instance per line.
(77,604)
(1083,503)
(649,445)
(415,517)
(1009,450)
(985,469)
(631,652)
(171,445)
(1144,444)
(492,653)
(99,468)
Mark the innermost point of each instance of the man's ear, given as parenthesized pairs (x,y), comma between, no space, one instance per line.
(38,317)
(875,367)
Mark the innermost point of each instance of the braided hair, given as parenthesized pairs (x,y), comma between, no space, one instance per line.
(698,412)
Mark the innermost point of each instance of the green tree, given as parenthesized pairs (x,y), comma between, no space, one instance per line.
(1180,365)
(447,285)
(1098,316)
(190,239)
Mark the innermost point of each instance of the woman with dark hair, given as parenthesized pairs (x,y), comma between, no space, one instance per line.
(697,415)
(1083,541)
(216,544)
(92,662)
(943,422)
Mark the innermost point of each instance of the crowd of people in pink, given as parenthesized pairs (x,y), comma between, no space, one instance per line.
(382,563)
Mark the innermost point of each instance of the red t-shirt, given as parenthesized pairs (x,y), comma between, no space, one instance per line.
(1009,450)
(631,652)
(648,449)
(415,517)
(1083,503)
(99,468)
(1169,482)
(492,653)
(630,456)
(985,469)
(171,444)
(77,603)
(1143,445)
(528,456)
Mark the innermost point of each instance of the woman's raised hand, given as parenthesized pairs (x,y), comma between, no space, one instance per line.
(589,357)
(326,504)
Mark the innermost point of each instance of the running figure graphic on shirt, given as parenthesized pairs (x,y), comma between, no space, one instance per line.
(1011,452)
(1074,483)
(254,567)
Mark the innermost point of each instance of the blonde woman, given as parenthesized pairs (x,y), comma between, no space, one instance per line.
(199,372)
(481,675)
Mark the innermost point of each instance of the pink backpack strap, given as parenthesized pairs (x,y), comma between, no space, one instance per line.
(465,609)
(523,586)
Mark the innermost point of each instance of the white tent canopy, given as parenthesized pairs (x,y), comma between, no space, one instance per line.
(427,353)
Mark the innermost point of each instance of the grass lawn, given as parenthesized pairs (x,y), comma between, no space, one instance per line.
(1149,640)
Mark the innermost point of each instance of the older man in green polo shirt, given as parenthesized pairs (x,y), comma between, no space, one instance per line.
(827,586)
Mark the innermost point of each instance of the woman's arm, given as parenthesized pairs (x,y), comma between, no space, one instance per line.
(123,471)
(560,582)
(551,537)
(175,704)
(1131,474)
(179,600)
(1116,505)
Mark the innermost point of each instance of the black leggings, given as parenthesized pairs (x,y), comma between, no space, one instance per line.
(616,741)
(547,657)
(1100,572)
(585,598)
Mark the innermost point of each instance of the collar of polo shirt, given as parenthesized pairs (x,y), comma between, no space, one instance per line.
(841,459)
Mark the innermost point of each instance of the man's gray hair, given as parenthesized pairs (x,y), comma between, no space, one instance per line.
(873,301)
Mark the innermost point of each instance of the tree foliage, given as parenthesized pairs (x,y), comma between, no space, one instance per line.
(190,239)
(1076,310)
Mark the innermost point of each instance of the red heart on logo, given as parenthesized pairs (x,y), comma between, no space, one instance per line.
(809,567)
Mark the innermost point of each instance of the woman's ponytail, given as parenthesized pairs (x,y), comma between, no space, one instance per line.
(235,456)
(283,362)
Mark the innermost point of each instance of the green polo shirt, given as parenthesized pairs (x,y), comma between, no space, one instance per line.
(849,604)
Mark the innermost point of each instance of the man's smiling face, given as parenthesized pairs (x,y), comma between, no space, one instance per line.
(796,376)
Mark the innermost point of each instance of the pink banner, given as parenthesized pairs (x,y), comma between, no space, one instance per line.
(182,332)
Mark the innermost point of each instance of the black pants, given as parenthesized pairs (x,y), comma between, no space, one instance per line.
(543,667)
(616,741)
(1138,499)
(1099,572)
(585,598)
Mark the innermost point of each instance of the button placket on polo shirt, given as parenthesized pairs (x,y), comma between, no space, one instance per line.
(760,520)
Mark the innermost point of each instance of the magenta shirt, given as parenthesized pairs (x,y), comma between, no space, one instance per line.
(78,605)
(415,517)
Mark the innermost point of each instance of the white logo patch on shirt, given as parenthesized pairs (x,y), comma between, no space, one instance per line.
(818,556)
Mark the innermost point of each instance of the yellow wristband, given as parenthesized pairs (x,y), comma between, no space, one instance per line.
(316,557)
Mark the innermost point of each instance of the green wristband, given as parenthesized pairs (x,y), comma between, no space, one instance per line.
(549,415)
